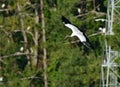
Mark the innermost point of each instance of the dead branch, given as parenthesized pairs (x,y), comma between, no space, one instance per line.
(15,54)
(44,41)
(98,14)
(31,77)
(72,42)
(4,10)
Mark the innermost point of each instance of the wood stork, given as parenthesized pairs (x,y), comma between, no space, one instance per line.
(3,5)
(102,30)
(76,32)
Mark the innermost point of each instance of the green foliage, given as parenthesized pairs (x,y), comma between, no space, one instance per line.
(72,68)
(68,64)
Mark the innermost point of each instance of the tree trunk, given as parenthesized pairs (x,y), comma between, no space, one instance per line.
(24,34)
(44,48)
(36,58)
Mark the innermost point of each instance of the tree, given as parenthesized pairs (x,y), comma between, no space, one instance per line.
(44,41)
(33,52)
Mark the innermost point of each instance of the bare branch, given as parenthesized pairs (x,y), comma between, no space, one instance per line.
(31,77)
(72,42)
(30,33)
(98,14)
(4,10)
(15,54)
(1,26)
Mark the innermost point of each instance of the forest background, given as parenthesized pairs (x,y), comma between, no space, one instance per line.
(33,52)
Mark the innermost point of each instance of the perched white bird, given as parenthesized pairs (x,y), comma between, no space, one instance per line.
(103,30)
(28,28)
(1,79)
(76,32)
(79,10)
(21,49)
(3,5)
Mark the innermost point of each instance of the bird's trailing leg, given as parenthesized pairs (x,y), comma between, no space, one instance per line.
(66,37)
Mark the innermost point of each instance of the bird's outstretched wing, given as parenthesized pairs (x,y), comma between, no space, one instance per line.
(77,32)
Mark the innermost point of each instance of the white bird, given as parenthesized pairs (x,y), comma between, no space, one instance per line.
(1,79)
(3,5)
(28,28)
(76,32)
(21,49)
(79,10)
(103,30)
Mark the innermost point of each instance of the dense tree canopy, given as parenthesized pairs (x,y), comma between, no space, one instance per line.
(27,29)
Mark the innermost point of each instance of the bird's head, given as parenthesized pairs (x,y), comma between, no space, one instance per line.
(65,20)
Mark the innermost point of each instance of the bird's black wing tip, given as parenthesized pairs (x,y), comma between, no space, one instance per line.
(65,20)
(63,17)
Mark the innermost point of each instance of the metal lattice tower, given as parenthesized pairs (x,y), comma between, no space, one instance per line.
(109,67)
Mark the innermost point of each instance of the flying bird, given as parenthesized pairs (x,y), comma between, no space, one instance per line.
(76,32)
